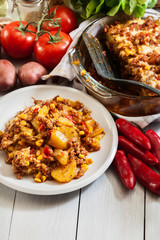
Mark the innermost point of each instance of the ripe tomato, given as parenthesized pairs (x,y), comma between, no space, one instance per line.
(68,22)
(18,43)
(49,53)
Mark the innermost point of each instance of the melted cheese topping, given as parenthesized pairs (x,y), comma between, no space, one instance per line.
(136,47)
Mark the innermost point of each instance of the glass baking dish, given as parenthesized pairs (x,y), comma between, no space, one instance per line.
(114,99)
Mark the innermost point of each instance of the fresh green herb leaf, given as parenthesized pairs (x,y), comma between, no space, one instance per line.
(111,3)
(91,7)
(111,7)
(151,3)
(139,11)
(98,8)
(114,10)
(128,6)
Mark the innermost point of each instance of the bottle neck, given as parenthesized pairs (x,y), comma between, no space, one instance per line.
(29,2)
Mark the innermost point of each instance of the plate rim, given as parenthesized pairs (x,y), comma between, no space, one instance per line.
(92,177)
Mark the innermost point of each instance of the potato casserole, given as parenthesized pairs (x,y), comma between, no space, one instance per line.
(135,46)
(51,140)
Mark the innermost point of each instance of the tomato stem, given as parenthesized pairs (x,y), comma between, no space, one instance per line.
(53,39)
(23,29)
(46,17)
(39,24)
(56,22)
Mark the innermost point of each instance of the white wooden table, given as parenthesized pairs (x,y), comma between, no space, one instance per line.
(103,210)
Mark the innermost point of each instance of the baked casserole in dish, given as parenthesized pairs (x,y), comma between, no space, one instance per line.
(135,47)
(133,44)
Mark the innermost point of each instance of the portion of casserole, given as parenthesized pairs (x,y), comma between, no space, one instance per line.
(51,140)
(135,47)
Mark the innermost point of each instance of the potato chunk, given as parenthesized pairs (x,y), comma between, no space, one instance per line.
(64,121)
(61,156)
(27,130)
(66,173)
(70,132)
(36,124)
(96,132)
(58,140)
(44,110)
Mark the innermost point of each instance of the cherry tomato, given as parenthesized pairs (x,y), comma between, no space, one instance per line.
(18,43)
(68,19)
(49,53)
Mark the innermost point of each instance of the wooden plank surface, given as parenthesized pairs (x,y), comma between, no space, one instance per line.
(7,197)
(109,211)
(152,215)
(45,217)
(103,210)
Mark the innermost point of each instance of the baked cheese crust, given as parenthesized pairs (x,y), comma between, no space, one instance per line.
(135,45)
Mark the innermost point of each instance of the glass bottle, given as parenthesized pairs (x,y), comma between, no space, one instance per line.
(30,10)
(3,8)
(27,10)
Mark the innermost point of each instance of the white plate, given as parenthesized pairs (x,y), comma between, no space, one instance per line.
(18,99)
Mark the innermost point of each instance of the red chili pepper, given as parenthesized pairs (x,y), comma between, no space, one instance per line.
(31,150)
(70,117)
(35,110)
(41,127)
(86,132)
(132,133)
(62,153)
(46,152)
(83,123)
(155,143)
(145,175)
(124,170)
(131,148)
(50,133)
